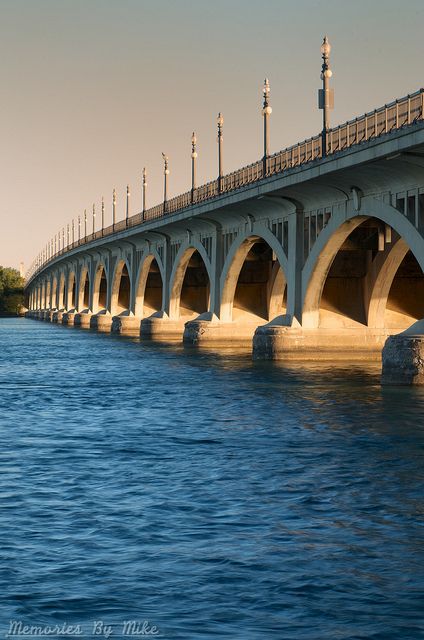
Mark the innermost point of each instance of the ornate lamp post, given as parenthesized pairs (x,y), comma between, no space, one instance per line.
(94,219)
(73,231)
(165,180)
(113,209)
(63,238)
(193,165)
(79,229)
(143,195)
(266,112)
(85,223)
(325,95)
(103,214)
(127,209)
(67,235)
(220,123)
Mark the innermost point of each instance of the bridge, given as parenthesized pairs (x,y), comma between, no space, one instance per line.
(307,253)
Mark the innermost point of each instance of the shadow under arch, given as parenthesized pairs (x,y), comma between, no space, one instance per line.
(84,290)
(335,239)
(149,287)
(121,289)
(254,292)
(100,285)
(190,287)
(61,292)
(71,290)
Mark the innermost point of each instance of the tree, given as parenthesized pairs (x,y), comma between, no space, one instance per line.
(11,291)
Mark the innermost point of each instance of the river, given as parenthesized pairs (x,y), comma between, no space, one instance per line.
(203,495)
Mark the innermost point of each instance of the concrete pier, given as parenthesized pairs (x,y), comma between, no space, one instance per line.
(403,357)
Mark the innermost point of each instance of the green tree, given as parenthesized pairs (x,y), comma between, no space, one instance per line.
(11,291)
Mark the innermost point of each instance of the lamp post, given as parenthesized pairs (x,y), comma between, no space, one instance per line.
(85,223)
(63,238)
(67,235)
(79,229)
(55,244)
(103,214)
(325,95)
(73,231)
(266,112)
(113,209)
(94,219)
(143,195)
(165,180)
(127,208)
(220,123)
(193,165)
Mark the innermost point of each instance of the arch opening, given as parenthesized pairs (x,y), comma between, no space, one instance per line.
(373,280)
(84,295)
(405,302)
(153,290)
(123,291)
(71,291)
(100,290)
(260,289)
(195,288)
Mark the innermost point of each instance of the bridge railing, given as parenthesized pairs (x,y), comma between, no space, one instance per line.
(384,120)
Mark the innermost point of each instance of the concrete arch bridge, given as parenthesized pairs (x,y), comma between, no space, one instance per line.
(305,256)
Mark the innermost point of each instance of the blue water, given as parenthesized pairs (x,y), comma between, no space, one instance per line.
(205,495)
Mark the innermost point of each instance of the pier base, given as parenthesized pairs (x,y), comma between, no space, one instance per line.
(212,332)
(160,327)
(279,341)
(102,322)
(403,357)
(57,316)
(68,318)
(82,319)
(126,325)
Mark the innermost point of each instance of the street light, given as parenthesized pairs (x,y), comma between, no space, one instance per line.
(144,187)
(325,95)
(220,123)
(94,219)
(103,214)
(127,210)
(85,223)
(193,165)
(79,229)
(165,181)
(266,112)
(113,209)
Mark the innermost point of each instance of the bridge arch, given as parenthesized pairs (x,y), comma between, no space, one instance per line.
(100,289)
(84,290)
(253,292)
(71,290)
(149,287)
(121,289)
(361,302)
(190,282)
(61,292)
(54,292)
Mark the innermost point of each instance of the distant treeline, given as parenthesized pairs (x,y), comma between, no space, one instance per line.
(11,291)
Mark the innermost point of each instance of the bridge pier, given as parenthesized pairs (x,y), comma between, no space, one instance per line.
(212,332)
(57,316)
(403,357)
(82,319)
(102,322)
(126,325)
(69,317)
(277,342)
(160,327)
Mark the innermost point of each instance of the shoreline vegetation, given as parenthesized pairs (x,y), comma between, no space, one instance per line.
(11,292)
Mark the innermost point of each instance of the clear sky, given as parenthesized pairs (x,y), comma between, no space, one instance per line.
(93,90)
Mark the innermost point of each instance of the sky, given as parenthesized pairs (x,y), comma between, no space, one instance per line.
(94,90)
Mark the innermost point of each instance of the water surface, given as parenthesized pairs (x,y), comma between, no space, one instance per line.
(212,496)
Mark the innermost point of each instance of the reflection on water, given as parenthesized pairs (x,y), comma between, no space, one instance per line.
(209,494)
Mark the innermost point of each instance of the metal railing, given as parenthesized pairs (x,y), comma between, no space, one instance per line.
(381,121)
